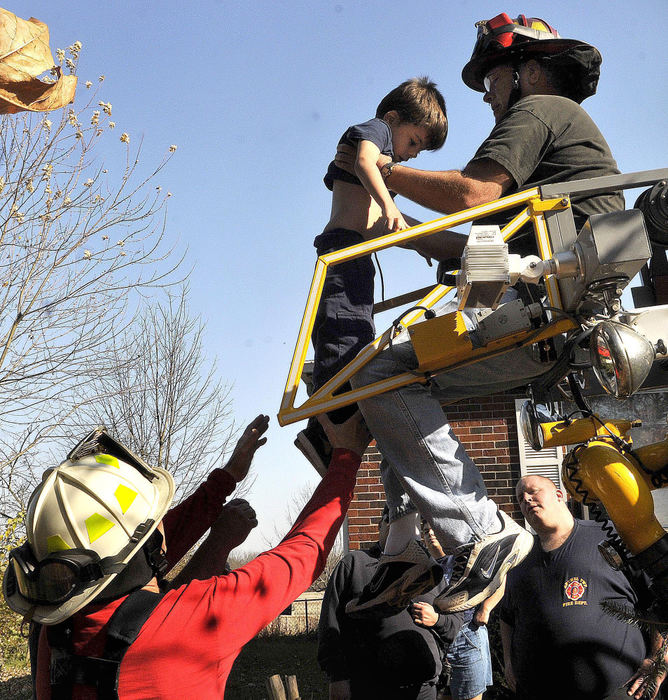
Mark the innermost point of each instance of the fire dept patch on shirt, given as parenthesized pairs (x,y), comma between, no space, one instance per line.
(575,592)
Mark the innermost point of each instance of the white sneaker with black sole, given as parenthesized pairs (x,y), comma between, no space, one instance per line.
(398,579)
(482,567)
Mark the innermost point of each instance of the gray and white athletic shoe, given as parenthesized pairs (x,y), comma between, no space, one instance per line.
(481,568)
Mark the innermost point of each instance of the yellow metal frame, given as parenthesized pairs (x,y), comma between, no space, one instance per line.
(324,400)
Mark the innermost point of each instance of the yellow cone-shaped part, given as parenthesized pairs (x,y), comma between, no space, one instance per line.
(612,478)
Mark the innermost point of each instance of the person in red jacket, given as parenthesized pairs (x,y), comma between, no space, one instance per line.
(94,540)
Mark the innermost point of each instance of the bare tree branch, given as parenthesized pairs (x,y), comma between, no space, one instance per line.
(81,247)
(163,399)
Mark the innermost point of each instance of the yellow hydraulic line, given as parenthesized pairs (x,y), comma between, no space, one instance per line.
(655,456)
(606,475)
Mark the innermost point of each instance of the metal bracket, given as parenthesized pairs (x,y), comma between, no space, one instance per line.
(541,205)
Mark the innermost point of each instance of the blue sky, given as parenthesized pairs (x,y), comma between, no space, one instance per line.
(256,94)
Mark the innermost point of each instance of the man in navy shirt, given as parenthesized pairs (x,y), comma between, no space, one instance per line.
(558,642)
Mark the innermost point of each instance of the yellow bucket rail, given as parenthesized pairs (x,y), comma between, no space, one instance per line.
(324,399)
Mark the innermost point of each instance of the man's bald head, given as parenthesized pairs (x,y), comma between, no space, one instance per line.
(542,504)
(534,480)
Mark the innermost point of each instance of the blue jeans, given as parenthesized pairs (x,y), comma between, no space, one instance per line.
(470,661)
(424,466)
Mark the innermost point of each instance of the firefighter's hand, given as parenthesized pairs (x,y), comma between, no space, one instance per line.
(347,155)
(345,158)
(247,445)
(645,682)
(423,614)
(350,435)
(237,518)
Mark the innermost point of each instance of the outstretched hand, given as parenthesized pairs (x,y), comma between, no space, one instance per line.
(247,445)
(351,435)
(237,518)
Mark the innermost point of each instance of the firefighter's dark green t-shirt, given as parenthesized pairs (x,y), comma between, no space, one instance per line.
(544,139)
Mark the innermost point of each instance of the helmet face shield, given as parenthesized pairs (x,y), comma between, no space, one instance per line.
(99,441)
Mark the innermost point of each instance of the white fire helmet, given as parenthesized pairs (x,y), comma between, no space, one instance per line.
(85,522)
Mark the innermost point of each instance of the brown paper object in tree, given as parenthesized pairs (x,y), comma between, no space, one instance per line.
(25,54)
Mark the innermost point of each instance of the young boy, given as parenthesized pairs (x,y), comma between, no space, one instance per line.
(411,118)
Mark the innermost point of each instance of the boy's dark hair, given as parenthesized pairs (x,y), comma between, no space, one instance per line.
(417,101)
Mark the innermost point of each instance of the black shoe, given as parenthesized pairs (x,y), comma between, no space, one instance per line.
(482,567)
(313,443)
(398,579)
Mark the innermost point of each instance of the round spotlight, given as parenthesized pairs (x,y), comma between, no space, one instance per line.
(531,425)
(620,357)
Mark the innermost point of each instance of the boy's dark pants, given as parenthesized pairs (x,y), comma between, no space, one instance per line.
(344,321)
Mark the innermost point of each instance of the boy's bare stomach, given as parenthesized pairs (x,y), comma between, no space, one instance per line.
(354,209)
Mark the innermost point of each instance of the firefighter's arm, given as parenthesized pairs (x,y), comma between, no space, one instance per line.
(254,594)
(445,191)
(186,523)
(439,246)
(236,520)
(449,191)
(506,635)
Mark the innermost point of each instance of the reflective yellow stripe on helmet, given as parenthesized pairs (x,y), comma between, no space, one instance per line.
(125,497)
(107,459)
(97,525)
(56,543)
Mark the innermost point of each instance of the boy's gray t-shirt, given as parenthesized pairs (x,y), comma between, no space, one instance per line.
(547,138)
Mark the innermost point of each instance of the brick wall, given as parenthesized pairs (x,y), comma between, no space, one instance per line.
(368,501)
(487,429)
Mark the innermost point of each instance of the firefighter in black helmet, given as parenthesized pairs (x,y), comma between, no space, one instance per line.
(534,82)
